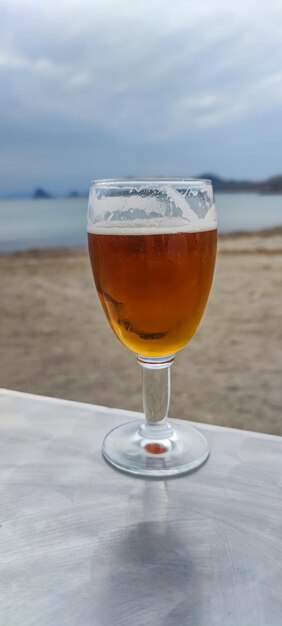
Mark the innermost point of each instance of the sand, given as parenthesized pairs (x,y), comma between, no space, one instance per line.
(55,339)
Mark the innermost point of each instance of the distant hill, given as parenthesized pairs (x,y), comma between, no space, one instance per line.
(77,194)
(271,185)
(41,194)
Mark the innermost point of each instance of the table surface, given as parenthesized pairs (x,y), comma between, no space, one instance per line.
(82,544)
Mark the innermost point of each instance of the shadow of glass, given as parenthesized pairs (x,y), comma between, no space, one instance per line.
(148,576)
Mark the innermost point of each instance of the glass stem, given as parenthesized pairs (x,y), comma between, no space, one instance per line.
(156,394)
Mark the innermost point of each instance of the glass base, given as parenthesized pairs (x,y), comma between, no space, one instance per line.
(157,450)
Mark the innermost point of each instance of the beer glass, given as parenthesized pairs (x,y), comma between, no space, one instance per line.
(152,247)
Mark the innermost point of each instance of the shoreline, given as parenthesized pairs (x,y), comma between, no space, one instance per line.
(261,234)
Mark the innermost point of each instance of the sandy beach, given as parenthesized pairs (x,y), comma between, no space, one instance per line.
(55,339)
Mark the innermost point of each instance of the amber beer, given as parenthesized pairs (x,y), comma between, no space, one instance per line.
(153,286)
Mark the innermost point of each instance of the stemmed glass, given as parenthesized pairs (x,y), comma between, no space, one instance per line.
(152,246)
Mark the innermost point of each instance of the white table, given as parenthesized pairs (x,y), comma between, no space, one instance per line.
(84,545)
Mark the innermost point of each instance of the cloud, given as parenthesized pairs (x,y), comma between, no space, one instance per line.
(160,68)
(148,72)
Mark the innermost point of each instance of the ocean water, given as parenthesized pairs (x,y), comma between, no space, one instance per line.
(62,222)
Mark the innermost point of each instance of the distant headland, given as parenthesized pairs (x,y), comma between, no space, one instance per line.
(42,194)
(271,185)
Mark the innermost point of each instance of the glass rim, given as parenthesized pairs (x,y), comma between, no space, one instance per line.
(125,182)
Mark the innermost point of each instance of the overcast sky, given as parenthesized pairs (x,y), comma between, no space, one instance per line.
(100,88)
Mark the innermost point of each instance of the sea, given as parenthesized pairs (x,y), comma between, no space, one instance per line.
(26,224)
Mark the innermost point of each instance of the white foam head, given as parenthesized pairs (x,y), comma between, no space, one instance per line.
(143,228)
